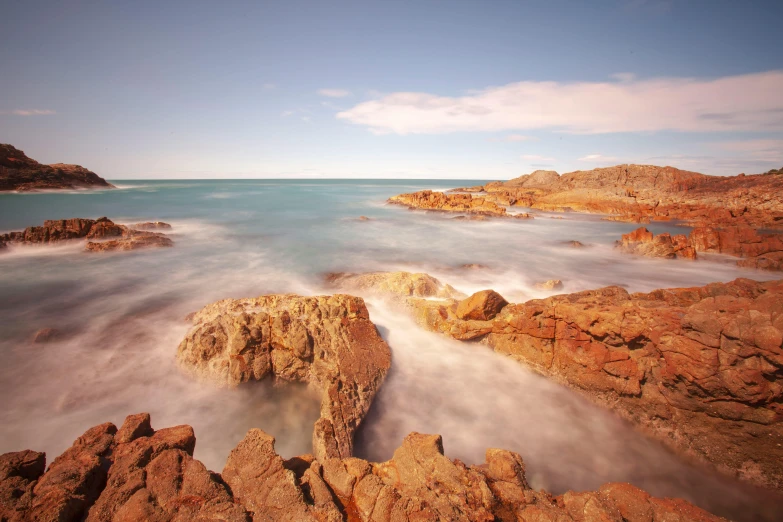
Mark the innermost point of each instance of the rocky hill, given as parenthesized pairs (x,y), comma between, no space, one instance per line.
(18,172)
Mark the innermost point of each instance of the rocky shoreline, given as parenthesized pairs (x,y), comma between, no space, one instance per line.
(22,174)
(737,216)
(696,368)
(137,473)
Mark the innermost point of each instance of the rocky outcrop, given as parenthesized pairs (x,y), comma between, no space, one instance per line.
(102,235)
(699,368)
(552,284)
(462,203)
(481,306)
(755,249)
(642,242)
(635,194)
(327,341)
(18,172)
(151,475)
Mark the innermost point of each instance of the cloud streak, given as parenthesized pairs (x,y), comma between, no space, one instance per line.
(750,102)
(33,112)
(334,93)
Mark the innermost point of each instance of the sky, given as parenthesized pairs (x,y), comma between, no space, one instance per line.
(485,89)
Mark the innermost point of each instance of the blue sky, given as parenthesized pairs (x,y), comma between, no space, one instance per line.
(427,89)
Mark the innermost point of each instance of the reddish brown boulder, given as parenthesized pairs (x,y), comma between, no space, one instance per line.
(131,240)
(481,306)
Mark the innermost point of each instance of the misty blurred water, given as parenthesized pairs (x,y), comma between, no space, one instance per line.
(122,316)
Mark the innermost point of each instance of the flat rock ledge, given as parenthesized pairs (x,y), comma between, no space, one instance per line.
(460,203)
(101,235)
(328,342)
(137,473)
(697,368)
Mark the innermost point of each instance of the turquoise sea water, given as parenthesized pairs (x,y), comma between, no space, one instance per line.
(122,318)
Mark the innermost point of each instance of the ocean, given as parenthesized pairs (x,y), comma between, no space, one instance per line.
(122,318)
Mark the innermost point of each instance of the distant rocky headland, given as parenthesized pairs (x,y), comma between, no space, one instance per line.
(23,174)
(735,215)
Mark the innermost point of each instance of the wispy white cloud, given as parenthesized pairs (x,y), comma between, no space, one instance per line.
(599,158)
(334,93)
(519,137)
(33,112)
(307,119)
(536,157)
(763,150)
(750,102)
(286,114)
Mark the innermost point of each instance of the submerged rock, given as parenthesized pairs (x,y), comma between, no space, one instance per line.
(152,475)
(327,341)
(552,284)
(396,284)
(46,335)
(151,225)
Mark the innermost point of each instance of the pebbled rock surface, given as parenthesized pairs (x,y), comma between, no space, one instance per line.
(101,234)
(153,476)
(18,172)
(326,341)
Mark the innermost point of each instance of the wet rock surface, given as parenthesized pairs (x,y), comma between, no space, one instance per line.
(473,206)
(151,475)
(328,342)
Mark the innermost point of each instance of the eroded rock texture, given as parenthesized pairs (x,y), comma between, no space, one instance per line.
(151,475)
(101,234)
(700,368)
(327,341)
(755,249)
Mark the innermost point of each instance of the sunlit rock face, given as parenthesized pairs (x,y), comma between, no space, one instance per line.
(327,341)
(137,473)
(696,367)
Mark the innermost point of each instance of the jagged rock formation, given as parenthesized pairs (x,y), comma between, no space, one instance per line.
(102,235)
(18,172)
(699,368)
(327,341)
(756,250)
(136,473)
(463,203)
(642,242)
